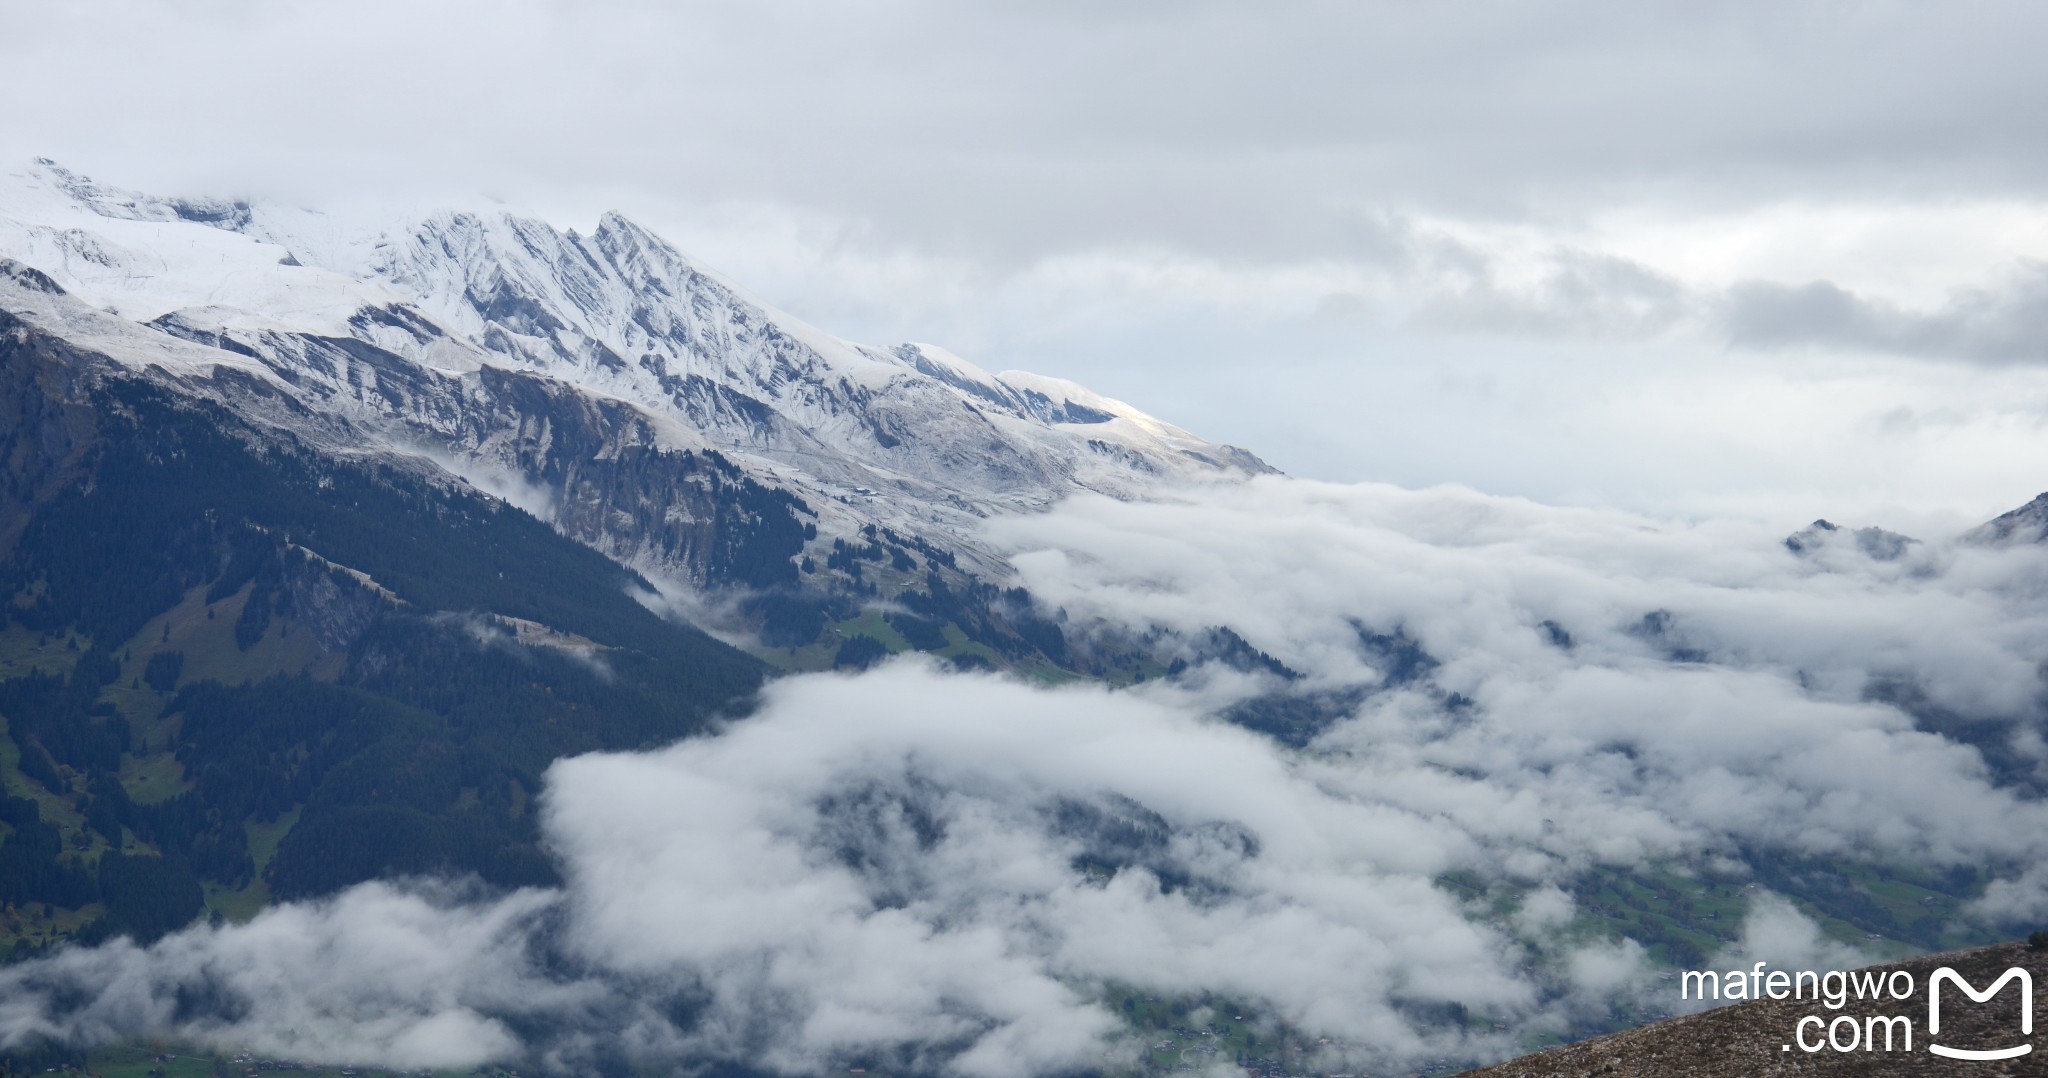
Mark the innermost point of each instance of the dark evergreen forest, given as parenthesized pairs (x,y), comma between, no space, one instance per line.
(411,656)
(236,667)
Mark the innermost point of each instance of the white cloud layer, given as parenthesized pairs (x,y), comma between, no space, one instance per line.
(908,868)
(1766,730)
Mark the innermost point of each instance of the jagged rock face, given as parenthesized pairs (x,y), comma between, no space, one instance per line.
(1877,544)
(2027,524)
(584,376)
(41,439)
(590,465)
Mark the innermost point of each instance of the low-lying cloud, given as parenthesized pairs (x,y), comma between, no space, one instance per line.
(412,977)
(928,871)
(1663,686)
(956,873)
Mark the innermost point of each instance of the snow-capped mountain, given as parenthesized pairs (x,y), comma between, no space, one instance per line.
(520,356)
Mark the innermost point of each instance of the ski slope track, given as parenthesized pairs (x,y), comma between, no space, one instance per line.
(513,354)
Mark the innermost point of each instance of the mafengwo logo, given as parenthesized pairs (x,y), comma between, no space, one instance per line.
(1845,1033)
(1945,975)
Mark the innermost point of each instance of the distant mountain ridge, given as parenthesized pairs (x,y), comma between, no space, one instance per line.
(210,626)
(394,331)
(320,542)
(2026,524)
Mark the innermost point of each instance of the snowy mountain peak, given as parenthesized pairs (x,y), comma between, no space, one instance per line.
(347,312)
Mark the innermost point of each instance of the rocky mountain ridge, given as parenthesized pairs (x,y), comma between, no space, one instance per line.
(582,378)
(551,367)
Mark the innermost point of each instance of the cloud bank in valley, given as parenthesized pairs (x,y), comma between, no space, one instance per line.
(1663,684)
(959,873)
(943,872)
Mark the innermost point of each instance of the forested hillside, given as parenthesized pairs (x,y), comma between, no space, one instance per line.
(232,668)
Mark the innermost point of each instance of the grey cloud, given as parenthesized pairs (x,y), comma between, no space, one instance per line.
(1580,295)
(1008,128)
(2004,325)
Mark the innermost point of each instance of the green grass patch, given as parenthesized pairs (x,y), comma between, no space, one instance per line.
(147,1059)
(212,654)
(958,644)
(37,923)
(55,804)
(152,779)
(23,652)
(264,837)
(239,906)
(869,623)
(1201,1031)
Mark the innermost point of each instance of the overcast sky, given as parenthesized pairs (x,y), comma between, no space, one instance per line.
(1767,259)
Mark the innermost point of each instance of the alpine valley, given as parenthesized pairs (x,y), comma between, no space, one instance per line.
(336,552)
(264,463)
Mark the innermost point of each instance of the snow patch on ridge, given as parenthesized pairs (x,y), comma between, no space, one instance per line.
(618,314)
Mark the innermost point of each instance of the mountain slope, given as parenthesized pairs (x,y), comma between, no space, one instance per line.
(241,666)
(319,543)
(2026,524)
(910,437)
(1751,1038)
